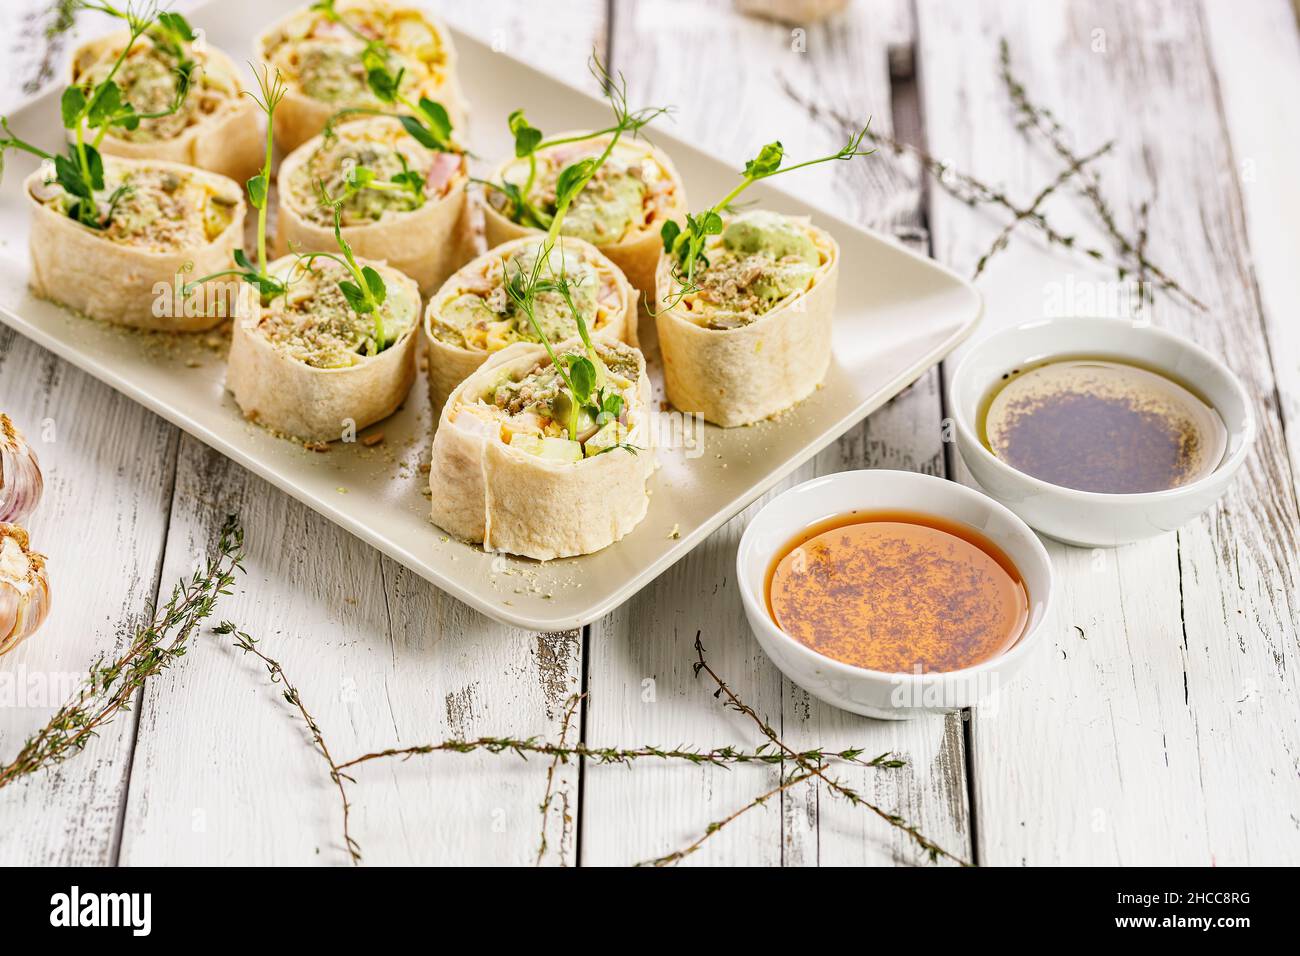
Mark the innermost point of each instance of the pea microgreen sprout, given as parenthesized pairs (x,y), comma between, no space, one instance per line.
(272,92)
(101,108)
(428,123)
(686,246)
(529,141)
(583,375)
(366,292)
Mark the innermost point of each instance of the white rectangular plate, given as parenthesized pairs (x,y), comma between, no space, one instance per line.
(898,314)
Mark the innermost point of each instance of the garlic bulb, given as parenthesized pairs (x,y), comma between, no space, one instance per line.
(20,474)
(24,588)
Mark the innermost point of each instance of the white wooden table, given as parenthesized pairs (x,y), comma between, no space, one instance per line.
(1160,727)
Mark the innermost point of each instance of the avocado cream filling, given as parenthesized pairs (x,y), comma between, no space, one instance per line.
(401,175)
(760,260)
(626,194)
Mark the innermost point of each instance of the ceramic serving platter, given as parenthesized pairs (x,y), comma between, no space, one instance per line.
(898,314)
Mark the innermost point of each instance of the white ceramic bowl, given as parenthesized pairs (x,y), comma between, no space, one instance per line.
(878,693)
(1087,518)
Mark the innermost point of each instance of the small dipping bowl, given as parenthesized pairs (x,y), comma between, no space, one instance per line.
(1092,519)
(879,693)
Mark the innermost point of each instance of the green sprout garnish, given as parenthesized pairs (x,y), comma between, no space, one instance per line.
(92,112)
(686,246)
(583,375)
(366,292)
(272,92)
(428,122)
(529,141)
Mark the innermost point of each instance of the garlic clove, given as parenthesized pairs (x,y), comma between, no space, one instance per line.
(21,483)
(24,588)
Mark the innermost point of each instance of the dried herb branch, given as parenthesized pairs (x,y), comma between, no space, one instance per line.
(154,647)
(248,645)
(974,192)
(1042,121)
(1076,167)
(716,757)
(792,780)
(570,708)
(733,701)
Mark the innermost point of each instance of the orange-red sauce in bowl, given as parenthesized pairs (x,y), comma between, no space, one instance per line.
(898,591)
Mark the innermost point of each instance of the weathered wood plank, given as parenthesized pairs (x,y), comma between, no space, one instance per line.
(727,74)
(1160,703)
(1264,131)
(224,771)
(108,468)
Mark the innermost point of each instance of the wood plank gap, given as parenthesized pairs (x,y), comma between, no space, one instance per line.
(119,826)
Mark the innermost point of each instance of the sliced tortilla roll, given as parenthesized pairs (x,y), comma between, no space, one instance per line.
(505,473)
(175,223)
(620,211)
(216,128)
(421,236)
(755,337)
(321,62)
(305,367)
(471,316)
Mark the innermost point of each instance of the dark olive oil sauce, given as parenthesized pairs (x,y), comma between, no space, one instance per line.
(1094,423)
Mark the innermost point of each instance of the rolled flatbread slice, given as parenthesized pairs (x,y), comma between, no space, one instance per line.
(306,365)
(321,62)
(216,127)
(620,211)
(506,474)
(471,317)
(421,234)
(755,337)
(170,224)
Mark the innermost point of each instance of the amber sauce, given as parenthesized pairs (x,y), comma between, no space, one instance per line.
(898,591)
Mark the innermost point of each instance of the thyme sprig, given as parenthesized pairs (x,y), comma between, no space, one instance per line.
(733,702)
(155,646)
(1043,121)
(248,644)
(686,245)
(570,709)
(792,779)
(1076,167)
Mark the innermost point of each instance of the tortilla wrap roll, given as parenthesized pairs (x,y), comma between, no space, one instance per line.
(320,62)
(216,129)
(498,482)
(620,212)
(755,338)
(299,366)
(471,317)
(424,238)
(176,223)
